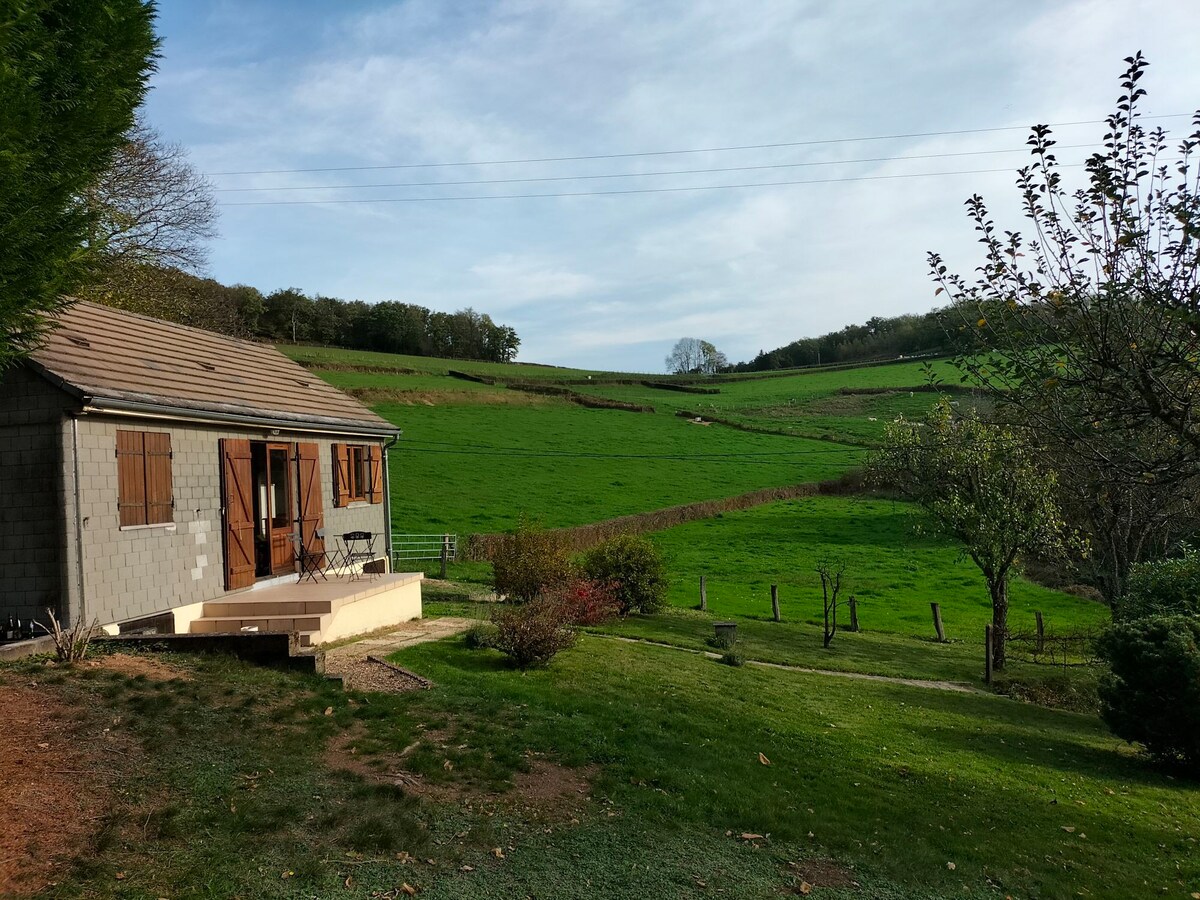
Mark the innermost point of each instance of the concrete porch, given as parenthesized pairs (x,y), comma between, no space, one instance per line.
(318,612)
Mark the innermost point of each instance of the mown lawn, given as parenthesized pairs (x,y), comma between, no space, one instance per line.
(231,788)
(466,468)
(892,571)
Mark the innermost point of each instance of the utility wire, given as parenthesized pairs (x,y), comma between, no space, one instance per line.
(661,190)
(795,165)
(809,143)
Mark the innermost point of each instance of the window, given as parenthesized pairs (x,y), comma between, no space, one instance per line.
(144,494)
(358,473)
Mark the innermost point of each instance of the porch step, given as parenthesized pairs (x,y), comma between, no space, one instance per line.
(250,608)
(225,624)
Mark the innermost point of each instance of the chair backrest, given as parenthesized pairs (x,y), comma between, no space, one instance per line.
(352,536)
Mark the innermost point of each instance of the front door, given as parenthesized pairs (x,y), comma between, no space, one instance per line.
(280,518)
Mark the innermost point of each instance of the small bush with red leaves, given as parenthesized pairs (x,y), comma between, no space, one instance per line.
(533,632)
(585,601)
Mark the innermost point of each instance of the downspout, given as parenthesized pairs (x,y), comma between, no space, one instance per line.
(78,521)
(387,498)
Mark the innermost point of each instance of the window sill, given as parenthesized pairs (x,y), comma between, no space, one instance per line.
(357,504)
(168,527)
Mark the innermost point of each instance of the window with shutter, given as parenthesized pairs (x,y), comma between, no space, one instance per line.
(144,490)
(354,472)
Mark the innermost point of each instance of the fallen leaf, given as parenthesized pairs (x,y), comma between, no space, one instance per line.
(408,889)
(951,866)
(805,888)
(467,869)
(498,853)
(287,873)
(43,745)
(329,710)
(349,880)
(762,759)
(747,836)
(447,765)
(120,876)
(1069,829)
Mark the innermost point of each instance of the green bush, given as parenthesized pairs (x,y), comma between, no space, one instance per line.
(480,636)
(733,658)
(528,561)
(633,564)
(532,633)
(1152,692)
(1163,587)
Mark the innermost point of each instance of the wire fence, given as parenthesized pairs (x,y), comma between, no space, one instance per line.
(1064,649)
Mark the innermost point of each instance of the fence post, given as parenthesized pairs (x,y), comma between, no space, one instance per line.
(987,653)
(703,595)
(937,622)
(775,601)
(853,613)
(1041,632)
(445,554)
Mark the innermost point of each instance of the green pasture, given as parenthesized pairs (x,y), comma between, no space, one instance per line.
(466,468)
(893,572)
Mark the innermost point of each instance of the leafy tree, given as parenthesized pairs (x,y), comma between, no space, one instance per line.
(1085,331)
(633,565)
(982,484)
(74,72)
(1162,587)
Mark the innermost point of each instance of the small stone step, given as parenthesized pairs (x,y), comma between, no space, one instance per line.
(257,609)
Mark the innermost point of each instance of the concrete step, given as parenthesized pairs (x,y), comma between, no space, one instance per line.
(250,608)
(224,624)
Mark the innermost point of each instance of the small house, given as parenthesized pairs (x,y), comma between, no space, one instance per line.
(160,477)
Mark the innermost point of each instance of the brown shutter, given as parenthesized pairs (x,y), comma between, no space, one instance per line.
(341,475)
(312,513)
(375,455)
(160,505)
(238,496)
(131,478)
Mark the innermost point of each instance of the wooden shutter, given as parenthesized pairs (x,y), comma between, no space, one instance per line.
(375,465)
(131,478)
(312,513)
(238,497)
(341,475)
(160,502)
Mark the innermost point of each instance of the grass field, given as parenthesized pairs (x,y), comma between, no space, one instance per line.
(893,572)
(471,467)
(230,789)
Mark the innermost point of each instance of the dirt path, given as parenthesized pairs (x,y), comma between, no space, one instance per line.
(353,663)
(955,686)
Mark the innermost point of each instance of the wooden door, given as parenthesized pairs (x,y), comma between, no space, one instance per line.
(312,512)
(237,495)
(281,521)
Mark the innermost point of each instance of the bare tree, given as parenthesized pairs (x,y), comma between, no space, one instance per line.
(152,206)
(831,572)
(686,356)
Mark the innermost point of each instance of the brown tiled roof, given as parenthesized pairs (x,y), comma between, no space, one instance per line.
(109,354)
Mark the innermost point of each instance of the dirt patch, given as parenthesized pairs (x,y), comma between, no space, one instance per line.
(548,791)
(55,788)
(133,666)
(819,873)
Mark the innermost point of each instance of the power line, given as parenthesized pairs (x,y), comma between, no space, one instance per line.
(795,165)
(779,145)
(661,190)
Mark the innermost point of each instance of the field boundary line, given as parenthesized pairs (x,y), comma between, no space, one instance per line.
(576,538)
(956,687)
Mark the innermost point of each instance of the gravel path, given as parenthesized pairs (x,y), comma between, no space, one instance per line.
(360,663)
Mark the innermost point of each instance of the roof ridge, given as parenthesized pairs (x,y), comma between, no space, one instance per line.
(79,301)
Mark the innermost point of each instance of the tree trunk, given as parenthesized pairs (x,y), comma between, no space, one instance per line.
(998,587)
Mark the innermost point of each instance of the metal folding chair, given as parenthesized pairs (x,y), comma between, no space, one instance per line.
(357,547)
(314,563)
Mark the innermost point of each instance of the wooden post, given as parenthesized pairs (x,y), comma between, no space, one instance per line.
(775,601)
(703,595)
(1041,632)
(445,554)
(987,653)
(853,613)
(937,622)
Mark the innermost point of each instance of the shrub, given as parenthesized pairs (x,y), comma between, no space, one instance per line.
(1162,587)
(733,658)
(480,636)
(532,633)
(1152,692)
(633,564)
(528,561)
(585,602)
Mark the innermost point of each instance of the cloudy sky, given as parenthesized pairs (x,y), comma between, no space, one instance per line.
(411,95)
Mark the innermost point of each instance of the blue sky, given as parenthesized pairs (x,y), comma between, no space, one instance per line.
(612,281)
